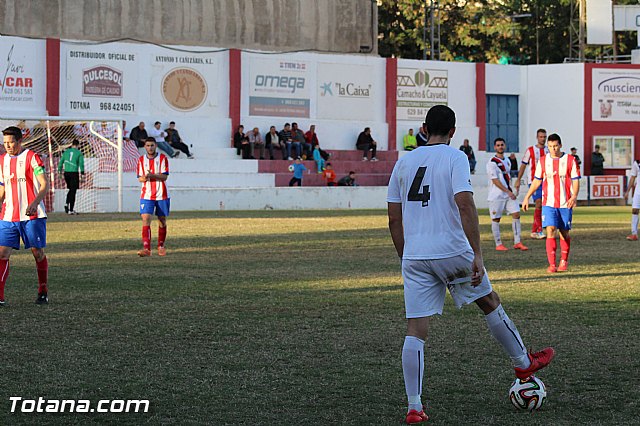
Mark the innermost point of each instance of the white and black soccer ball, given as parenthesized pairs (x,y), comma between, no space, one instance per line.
(528,394)
(291,168)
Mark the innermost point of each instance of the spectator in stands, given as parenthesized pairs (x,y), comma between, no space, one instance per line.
(468,150)
(329,175)
(139,135)
(311,137)
(298,171)
(421,137)
(159,136)
(287,138)
(238,137)
(173,138)
(318,158)
(272,141)
(298,137)
(349,180)
(365,143)
(409,141)
(514,166)
(597,162)
(256,142)
(125,132)
(574,152)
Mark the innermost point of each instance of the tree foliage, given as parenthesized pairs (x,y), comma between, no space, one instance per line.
(520,31)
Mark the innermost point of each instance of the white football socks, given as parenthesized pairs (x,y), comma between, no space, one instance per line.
(413,369)
(506,333)
(495,228)
(517,230)
(634,224)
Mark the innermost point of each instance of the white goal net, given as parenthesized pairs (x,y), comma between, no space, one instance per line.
(106,158)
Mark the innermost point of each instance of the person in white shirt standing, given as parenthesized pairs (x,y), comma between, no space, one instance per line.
(434,227)
(501,198)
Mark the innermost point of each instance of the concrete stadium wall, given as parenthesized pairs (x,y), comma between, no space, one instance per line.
(279,25)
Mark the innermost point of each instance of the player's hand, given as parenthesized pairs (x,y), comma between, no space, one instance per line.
(571,203)
(32,209)
(517,185)
(512,195)
(477,270)
(525,204)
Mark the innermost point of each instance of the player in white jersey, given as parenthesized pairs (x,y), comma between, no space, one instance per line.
(559,177)
(501,198)
(23,186)
(153,171)
(531,157)
(434,227)
(635,204)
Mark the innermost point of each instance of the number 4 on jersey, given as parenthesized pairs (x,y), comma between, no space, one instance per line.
(414,191)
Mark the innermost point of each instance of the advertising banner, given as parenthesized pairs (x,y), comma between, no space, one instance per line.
(279,88)
(183,82)
(603,187)
(23,76)
(346,92)
(101,80)
(615,94)
(419,90)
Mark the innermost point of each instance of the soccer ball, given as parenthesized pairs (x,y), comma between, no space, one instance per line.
(290,167)
(528,394)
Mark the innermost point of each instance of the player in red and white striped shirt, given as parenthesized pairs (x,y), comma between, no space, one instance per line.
(153,171)
(23,186)
(559,176)
(531,157)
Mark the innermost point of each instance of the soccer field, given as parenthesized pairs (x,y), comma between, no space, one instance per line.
(281,318)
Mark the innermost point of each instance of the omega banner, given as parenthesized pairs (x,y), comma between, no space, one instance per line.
(22,74)
(101,80)
(615,94)
(418,90)
(346,92)
(279,87)
(184,82)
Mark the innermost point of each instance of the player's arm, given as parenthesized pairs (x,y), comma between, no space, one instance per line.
(43,180)
(630,187)
(395,226)
(575,188)
(1,194)
(534,186)
(503,188)
(158,176)
(523,167)
(471,227)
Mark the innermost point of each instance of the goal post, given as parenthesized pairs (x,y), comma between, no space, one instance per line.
(106,158)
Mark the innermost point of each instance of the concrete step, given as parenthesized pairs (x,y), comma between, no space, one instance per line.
(211,180)
(212,166)
(354,155)
(315,179)
(367,167)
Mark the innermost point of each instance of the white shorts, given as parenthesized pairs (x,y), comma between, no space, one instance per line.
(426,281)
(497,207)
(635,204)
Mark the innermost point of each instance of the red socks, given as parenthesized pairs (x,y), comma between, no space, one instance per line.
(162,235)
(537,221)
(146,237)
(43,272)
(565,246)
(4,274)
(551,251)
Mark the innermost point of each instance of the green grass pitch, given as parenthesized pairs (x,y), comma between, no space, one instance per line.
(281,318)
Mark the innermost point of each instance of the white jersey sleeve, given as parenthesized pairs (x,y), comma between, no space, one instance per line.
(526,158)
(635,171)
(460,174)
(393,191)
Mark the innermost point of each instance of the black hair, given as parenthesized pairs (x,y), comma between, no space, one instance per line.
(541,131)
(157,122)
(440,120)
(555,137)
(75,142)
(13,131)
(499,139)
(172,122)
(150,139)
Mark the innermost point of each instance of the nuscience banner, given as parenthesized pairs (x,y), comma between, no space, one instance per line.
(418,90)
(23,76)
(346,92)
(101,80)
(615,94)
